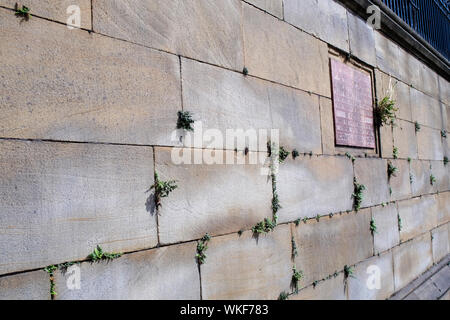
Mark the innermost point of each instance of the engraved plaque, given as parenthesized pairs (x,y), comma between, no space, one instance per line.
(352,105)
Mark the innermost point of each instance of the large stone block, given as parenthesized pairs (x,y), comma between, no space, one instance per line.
(90,88)
(274,7)
(372,173)
(443,207)
(387,141)
(58,201)
(362,39)
(279,52)
(400,182)
(206,30)
(387,55)
(158,274)
(441,174)
(325,19)
(245,267)
(405,139)
(25,286)
(364,285)
(308,186)
(55,10)
(227,100)
(418,215)
(411,259)
(429,144)
(429,81)
(440,242)
(328,245)
(330,289)
(426,110)
(420,177)
(409,68)
(387,235)
(444,90)
(211,198)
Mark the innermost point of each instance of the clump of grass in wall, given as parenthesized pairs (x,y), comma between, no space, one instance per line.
(318,217)
(411,178)
(395,152)
(23,12)
(98,255)
(409,159)
(295,154)
(417,126)
(283,154)
(245,71)
(373,226)
(392,170)
(384,112)
(445,161)
(202,246)
(296,277)
(185,121)
(294,248)
(432,180)
(348,155)
(400,226)
(162,189)
(297,222)
(283,296)
(348,272)
(268,225)
(50,270)
(444,134)
(357,194)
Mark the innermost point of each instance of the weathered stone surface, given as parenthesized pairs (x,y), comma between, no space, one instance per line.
(59,200)
(206,30)
(363,286)
(211,198)
(441,173)
(400,182)
(274,7)
(429,81)
(429,143)
(308,186)
(279,52)
(445,116)
(418,216)
(409,68)
(411,259)
(325,19)
(25,286)
(387,234)
(387,55)
(227,100)
(443,207)
(440,242)
(405,139)
(55,10)
(444,90)
(362,39)
(425,109)
(387,141)
(243,267)
(328,245)
(330,289)
(372,173)
(158,274)
(92,88)
(420,175)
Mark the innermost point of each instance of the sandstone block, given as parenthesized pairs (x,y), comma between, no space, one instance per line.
(440,242)
(387,55)
(362,39)
(274,7)
(400,182)
(420,176)
(429,144)
(418,216)
(330,289)
(387,235)
(372,173)
(405,139)
(33,285)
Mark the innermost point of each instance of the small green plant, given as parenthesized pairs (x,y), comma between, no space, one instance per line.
(390,191)
(162,189)
(283,154)
(297,222)
(296,277)
(295,154)
(384,112)
(445,161)
(240,232)
(357,194)
(305,219)
(392,170)
(444,134)
(202,246)
(432,180)
(294,248)
(348,272)
(348,155)
(245,71)
(373,226)
(318,217)
(23,12)
(417,126)
(185,121)
(50,270)
(411,179)
(265,226)
(98,255)
(283,296)
(395,152)
(400,226)
(315,283)
(409,159)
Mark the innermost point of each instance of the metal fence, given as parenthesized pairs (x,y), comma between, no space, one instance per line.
(429,18)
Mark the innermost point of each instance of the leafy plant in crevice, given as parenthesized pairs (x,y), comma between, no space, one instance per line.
(392,170)
(268,225)
(162,189)
(357,194)
(23,12)
(283,296)
(283,154)
(185,121)
(348,272)
(202,246)
(444,134)
(409,159)
(50,270)
(348,155)
(417,126)
(98,255)
(373,226)
(296,277)
(432,180)
(245,71)
(295,154)
(445,161)
(318,217)
(384,112)
(400,226)
(297,222)
(411,178)
(294,248)
(395,152)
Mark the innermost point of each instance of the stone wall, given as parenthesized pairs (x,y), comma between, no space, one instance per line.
(86,120)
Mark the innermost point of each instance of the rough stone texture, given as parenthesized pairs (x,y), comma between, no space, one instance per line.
(328,245)
(440,242)
(420,174)
(429,143)
(211,198)
(409,68)
(444,90)
(25,286)
(443,207)
(308,186)
(91,88)
(429,81)
(362,39)
(330,289)
(387,55)
(418,216)
(387,235)
(411,259)
(387,141)
(58,201)
(245,267)
(372,173)
(362,285)
(425,110)
(405,139)
(54,10)
(279,52)
(441,173)
(400,183)
(274,7)
(206,30)
(325,19)
(227,100)
(158,274)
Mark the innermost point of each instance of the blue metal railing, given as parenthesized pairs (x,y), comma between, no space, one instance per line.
(429,18)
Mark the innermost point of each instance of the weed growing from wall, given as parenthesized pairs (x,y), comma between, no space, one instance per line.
(373,226)
(245,71)
(202,246)
(444,134)
(445,161)
(23,12)
(297,222)
(432,180)
(185,121)
(409,159)
(98,255)
(357,194)
(268,225)
(294,248)
(417,126)
(384,112)
(283,154)
(295,154)
(411,178)
(395,152)
(283,296)
(348,272)
(392,170)
(348,155)
(162,189)
(296,277)
(50,270)
(400,226)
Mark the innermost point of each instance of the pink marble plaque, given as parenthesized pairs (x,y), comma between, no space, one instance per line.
(352,105)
